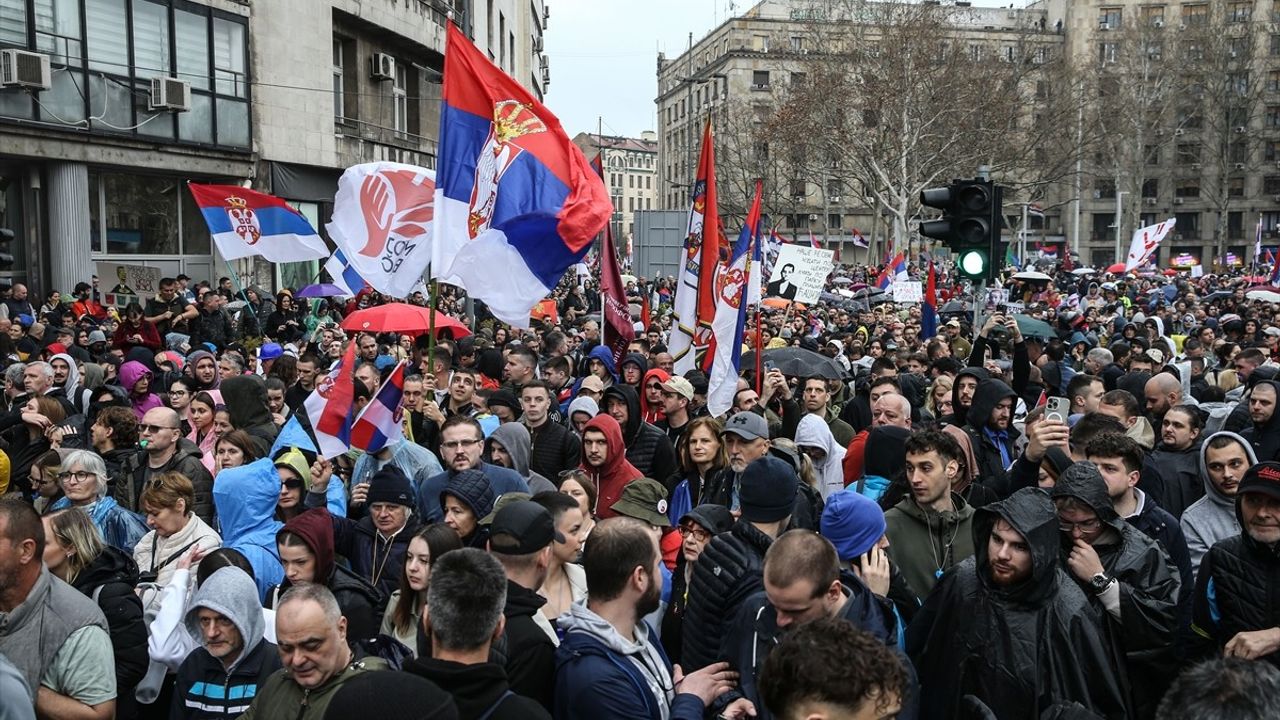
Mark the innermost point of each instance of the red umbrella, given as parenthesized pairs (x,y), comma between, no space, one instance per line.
(403,318)
(1170,272)
(1116,268)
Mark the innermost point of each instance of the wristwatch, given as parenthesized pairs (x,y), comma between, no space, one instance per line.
(1100,582)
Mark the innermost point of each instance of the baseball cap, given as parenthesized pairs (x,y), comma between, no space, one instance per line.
(56,348)
(1272,331)
(1156,356)
(271,351)
(644,499)
(592,383)
(953,323)
(1263,477)
(714,517)
(748,426)
(503,500)
(522,527)
(679,386)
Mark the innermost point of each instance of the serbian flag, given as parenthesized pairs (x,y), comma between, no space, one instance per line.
(516,203)
(1275,272)
(329,407)
(929,309)
(380,423)
(733,282)
(859,240)
(813,241)
(244,222)
(695,304)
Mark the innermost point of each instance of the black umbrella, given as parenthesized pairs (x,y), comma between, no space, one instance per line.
(797,362)
(955,306)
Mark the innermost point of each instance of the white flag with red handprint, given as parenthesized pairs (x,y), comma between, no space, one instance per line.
(1145,242)
(382,223)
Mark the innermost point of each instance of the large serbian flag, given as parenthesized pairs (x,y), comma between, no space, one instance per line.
(516,202)
(244,222)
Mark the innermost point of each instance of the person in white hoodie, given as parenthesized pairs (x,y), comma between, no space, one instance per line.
(1224,459)
(167,500)
(814,438)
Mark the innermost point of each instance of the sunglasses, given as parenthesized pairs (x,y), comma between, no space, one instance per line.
(292,484)
(145,427)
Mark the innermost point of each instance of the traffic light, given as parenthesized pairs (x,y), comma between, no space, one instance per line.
(970,224)
(6,249)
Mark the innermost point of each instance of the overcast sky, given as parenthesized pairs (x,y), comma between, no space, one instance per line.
(604,53)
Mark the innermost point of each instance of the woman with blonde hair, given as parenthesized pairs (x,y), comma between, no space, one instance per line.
(939,401)
(167,500)
(75,553)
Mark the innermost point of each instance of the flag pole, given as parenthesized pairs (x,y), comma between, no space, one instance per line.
(235,278)
(431,331)
(608,226)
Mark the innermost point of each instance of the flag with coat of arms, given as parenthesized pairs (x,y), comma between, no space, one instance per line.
(380,424)
(245,222)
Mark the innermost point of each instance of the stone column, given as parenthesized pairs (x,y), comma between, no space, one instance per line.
(68,200)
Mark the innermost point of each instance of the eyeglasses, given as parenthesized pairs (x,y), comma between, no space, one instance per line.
(76,477)
(292,484)
(698,533)
(173,393)
(147,428)
(1084,525)
(459,444)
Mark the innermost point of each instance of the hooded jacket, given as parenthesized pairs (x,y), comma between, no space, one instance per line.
(1236,589)
(477,689)
(1024,648)
(651,414)
(917,546)
(159,555)
(204,688)
(617,470)
(730,569)
(959,414)
(246,498)
(1212,517)
(1265,438)
(186,459)
(601,675)
(605,355)
(1172,477)
(189,370)
(514,437)
(246,398)
(357,598)
(991,464)
(814,432)
(112,576)
(75,392)
(130,373)
(1148,588)
(647,447)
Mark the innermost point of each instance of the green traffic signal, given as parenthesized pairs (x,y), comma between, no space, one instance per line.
(973,264)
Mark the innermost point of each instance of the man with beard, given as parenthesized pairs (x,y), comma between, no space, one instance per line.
(1234,603)
(461,445)
(991,431)
(1265,431)
(1010,628)
(1224,459)
(1172,473)
(608,666)
(962,390)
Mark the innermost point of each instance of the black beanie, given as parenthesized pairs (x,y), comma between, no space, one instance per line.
(390,485)
(767,490)
(890,456)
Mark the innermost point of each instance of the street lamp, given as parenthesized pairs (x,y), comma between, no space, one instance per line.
(1119,206)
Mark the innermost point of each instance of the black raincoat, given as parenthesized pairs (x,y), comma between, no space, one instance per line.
(992,468)
(1149,591)
(1023,649)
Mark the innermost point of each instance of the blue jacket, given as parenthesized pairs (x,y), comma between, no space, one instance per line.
(595,682)
(501,479)
(120,528)
(245,498)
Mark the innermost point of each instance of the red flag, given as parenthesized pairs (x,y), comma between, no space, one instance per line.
(695,303)
(617,315)
(644,310)
(1067,265)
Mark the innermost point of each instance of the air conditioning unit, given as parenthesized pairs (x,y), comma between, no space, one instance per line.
(22,69)
(1275,198)
(1179,131)
(537,44)
(760,86)
(1239,128)
(382,66)
(1239,166)
(1149,201)
(1157,23)
(1177,201)
(1177,236)
(1104,25)
(546,76)
(169,94)
(1196,166)
(546,15)
(835,199)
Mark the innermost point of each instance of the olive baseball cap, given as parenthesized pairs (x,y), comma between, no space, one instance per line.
(644,499)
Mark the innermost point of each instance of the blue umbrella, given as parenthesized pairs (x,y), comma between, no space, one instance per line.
(321,290)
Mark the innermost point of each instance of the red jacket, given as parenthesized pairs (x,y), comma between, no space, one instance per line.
(616,472)
(652,414)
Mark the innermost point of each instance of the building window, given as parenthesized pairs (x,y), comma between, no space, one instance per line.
(1150,188)
(648,182)
(1187,224)
(1195,15)
(1153,15)
(834,221)
(1188,154)
(1238,152)
(760,80)
(1152,154)
(1271,185)
(501,38)
(1109,18)
(1107,52)
(337,70)
(400,100)
(1104,189)
(1273,81)
(1274,46)
(1235,186)
(1273,116)
(797,44)
(760,43)
(1239,12)
(1187,188)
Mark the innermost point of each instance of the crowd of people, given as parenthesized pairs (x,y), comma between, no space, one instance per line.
(567,534)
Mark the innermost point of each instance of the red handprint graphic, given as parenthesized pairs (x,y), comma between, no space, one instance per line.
(397,202)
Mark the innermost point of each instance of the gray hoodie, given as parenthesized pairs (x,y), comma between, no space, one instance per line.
(1212,517)
(232,593)
(643,653)
(583,404)
(514,437)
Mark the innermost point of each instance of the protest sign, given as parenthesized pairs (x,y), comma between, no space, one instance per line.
(799,273)
(129,283)
(907,291)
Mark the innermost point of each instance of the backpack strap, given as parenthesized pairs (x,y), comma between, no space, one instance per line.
(494,707)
